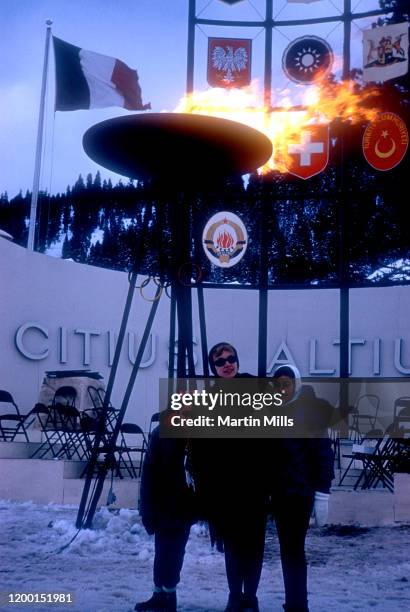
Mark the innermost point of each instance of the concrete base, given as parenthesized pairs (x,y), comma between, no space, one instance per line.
(402,497)
(45,481)
(372,508)
(17,450)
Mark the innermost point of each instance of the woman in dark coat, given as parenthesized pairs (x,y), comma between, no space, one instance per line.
(233,496)
(302,475)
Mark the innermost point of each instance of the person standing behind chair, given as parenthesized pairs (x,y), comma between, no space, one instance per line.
(301,479)
(232,495)
(167,510)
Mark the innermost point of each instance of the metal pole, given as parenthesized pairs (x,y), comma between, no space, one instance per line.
(39,146)
(99,434)
(138,360)
(264,266)
(202,326)
(171,349)
(191,47)
(263,288)
(278,23)
(347,27)
(343,244)
(268,54)
(121,335)
(189,332)
(344,216)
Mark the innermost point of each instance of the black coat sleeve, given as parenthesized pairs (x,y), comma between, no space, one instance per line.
(149,485)
(322,462)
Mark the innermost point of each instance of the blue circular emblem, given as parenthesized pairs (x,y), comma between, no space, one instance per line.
(307,59)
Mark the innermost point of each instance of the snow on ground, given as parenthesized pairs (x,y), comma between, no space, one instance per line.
(109,568)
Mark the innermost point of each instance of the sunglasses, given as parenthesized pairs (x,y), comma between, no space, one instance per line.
(221,361)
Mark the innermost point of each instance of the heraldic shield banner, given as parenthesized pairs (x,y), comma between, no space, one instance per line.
(386,52)
(229,62)
(385,141)
(308,152)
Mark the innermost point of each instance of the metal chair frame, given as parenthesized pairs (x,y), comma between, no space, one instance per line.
(64,437)
(8,433)
(125,450)
(357,416)
(154,419)
(357,455)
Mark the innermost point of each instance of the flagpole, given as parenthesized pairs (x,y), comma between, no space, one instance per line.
(39,146)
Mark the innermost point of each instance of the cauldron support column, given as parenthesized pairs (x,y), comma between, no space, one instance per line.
(86,512)
(181,233)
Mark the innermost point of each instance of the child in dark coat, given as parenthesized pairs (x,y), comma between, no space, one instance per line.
(167,511)
(300,481)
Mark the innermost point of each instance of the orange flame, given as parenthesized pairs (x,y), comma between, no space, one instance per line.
(316,104)
(224,240)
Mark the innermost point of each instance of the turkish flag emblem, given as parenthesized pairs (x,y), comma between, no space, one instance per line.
(385,141)
(308,153)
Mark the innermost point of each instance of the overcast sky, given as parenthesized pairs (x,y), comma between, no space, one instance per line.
(149,35)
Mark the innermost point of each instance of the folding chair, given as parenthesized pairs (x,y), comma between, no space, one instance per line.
(97,398)
(360,450)
(125,450)
(401,407)
(365,409)
(93,423)
(380,465)
(153,422)
(64,437)
(401,422)
(98,422)
(40,412)
(70,433)
(11,423)
(334,435)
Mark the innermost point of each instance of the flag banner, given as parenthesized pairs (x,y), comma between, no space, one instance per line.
(85,79)
(229,62)
(385,141)
(309,153)
(307,59)
(386,52)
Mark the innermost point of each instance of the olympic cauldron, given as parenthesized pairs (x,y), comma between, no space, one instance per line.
(158,145)
(179,155)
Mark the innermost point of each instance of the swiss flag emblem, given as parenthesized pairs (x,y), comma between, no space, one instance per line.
(308,152)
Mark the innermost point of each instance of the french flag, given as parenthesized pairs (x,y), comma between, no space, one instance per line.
(85,79)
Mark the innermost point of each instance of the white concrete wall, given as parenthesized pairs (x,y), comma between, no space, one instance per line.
(53,293)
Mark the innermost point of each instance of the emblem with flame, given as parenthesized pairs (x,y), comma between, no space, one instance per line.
(225,239)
